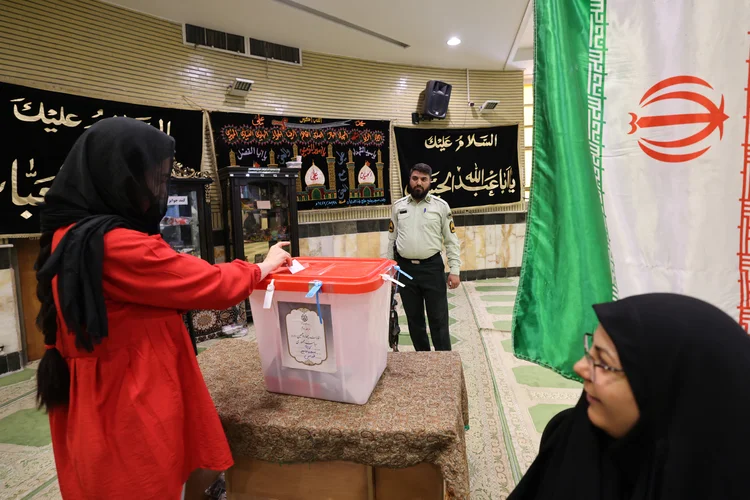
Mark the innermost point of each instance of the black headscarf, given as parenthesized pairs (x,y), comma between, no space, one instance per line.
(688,364)
(116,176)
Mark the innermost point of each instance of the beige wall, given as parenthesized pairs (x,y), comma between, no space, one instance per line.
(496,246)
(90,48)
(95,49)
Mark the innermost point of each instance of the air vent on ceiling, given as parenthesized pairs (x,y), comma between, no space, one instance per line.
(236,44)
(197,35)
(275,51)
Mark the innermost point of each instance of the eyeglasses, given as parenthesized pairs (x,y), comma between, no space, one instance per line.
(588,342)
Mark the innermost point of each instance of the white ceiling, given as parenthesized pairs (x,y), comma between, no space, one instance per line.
(527,38)
(495,34)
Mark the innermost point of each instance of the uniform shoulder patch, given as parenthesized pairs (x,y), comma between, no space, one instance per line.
(443,203)
(390,226)
(453,227)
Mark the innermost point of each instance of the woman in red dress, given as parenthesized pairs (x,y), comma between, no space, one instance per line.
(129,412)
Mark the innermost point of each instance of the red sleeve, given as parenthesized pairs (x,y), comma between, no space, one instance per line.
(142,269)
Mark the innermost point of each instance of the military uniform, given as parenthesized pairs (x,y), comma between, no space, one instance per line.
(418,230)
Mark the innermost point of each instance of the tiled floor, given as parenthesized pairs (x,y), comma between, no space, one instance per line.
(510,402)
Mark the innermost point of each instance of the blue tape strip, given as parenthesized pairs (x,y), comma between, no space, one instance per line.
(315,290)
(397,268)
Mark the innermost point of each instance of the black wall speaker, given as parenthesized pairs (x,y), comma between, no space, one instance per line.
(436,98)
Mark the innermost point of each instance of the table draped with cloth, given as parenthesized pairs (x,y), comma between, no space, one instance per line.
(416,414)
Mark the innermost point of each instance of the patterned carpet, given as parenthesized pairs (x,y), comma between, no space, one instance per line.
(27,467)
(530,394)
(510,401)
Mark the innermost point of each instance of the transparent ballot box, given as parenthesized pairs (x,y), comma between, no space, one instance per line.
(323,332)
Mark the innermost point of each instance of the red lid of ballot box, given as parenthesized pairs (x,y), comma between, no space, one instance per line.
(338,275)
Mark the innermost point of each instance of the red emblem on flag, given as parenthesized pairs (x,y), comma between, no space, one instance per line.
(713,118)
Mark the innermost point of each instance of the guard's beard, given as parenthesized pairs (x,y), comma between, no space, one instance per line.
(418,193)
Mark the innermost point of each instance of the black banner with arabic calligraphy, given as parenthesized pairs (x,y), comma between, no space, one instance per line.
(38,128)
(470,167)
(345,163)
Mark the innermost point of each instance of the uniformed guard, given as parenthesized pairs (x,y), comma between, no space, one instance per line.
(420,224)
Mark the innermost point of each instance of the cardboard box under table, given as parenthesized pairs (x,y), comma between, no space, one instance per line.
(407,442)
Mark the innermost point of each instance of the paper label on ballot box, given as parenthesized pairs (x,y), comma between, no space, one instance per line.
(307,344)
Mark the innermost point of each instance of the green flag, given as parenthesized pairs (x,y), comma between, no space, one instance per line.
(566,264)
(641,177)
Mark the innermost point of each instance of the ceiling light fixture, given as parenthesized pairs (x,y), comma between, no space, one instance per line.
(454,41)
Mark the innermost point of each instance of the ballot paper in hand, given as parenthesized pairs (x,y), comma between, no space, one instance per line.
(296,267)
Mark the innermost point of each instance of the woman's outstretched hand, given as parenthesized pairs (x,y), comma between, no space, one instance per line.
(275,258)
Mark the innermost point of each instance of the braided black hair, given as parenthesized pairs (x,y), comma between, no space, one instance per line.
(53,375)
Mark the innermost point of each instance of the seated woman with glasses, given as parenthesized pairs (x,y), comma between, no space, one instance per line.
(665,410)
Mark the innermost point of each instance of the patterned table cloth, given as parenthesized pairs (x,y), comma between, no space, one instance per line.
(416,414)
